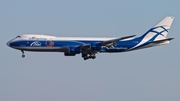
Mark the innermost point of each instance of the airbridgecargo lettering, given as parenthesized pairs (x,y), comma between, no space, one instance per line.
(34,38)
(89,47)
(121,48)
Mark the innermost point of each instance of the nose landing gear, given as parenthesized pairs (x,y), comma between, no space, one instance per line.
(23,56)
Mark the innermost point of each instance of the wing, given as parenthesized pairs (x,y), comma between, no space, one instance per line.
(105,43)
(111,42)
(89,50)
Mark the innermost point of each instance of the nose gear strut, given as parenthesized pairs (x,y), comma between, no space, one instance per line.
(23,56)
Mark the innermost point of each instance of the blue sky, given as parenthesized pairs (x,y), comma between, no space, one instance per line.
(149,74)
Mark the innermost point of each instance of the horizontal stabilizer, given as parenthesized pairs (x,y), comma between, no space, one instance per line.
(161,41)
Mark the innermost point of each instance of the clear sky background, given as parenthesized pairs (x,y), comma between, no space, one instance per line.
(145,75)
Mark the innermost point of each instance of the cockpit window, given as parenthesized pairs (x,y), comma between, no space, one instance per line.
(18,37)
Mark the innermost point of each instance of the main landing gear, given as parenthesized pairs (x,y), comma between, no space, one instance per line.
(23,56)
(88,56)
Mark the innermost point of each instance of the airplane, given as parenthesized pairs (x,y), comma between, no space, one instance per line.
(88,47)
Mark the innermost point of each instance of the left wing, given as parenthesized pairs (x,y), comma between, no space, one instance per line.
(90,50)
(105,43)
(111,42)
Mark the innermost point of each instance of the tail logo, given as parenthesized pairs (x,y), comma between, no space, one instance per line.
(158,32)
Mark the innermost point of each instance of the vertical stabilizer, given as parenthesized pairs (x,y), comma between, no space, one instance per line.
(166,24)
(160,30)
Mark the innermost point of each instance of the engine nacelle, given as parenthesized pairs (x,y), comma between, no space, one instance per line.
(73,51)
(69,54)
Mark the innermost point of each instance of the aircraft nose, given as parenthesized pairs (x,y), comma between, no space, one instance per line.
(8,43)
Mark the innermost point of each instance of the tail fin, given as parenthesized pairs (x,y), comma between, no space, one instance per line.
(160,30)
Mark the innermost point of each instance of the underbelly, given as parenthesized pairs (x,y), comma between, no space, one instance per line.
(41,49)
(115,50)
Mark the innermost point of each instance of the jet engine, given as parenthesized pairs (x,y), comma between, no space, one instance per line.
(72,51)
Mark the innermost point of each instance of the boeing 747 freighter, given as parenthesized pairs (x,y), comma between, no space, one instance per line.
(88,47)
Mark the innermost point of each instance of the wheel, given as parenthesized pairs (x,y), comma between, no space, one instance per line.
(85,57)
(93,57)
(23,56)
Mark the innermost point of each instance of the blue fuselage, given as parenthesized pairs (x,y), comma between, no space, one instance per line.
(56,45)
